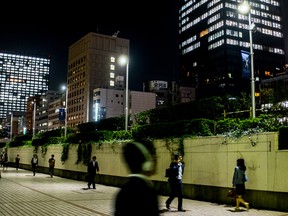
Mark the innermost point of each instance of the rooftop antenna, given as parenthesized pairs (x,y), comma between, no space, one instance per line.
(115,34)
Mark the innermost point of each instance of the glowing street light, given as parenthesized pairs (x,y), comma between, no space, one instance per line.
(66,101)
(11,126)
(123,60)
(245,8)
(34,117)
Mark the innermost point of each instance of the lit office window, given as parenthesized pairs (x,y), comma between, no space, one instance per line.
(26,76)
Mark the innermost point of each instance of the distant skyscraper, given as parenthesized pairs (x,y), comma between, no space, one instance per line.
(21,77)
(93,63)
(212,34)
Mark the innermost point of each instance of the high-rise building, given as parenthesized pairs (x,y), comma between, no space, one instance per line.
(93,63)
(212,36)
(21,76)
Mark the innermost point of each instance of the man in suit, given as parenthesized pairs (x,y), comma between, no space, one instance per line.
(175,181)
(93,168)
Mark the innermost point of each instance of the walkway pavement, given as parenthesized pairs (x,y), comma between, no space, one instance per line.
(22,194)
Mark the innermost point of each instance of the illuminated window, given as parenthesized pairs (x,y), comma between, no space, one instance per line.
(267,73)
(203,33)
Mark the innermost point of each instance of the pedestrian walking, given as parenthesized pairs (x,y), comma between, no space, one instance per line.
(51,162)
(34,163)
(5,161)
(17,161)
(138,195)
(2,158)
(238,182)
(175,182)
(92,169)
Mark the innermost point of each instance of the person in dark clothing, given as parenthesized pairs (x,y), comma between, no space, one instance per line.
(138,195)
(238,182)
(175,182)
(34,163)
(51,162)
(92,169)
(17,161)
(5,161)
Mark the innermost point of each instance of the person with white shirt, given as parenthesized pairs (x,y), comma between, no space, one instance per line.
(175,181)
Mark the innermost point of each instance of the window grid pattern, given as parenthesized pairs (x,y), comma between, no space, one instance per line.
(21,77)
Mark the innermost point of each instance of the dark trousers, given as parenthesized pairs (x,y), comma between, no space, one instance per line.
(51,170)
(34,167)
(176,188)
(91,181)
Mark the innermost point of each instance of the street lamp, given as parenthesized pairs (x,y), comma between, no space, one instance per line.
(34,117)
(66,101)
(123,60)
(245,8)
(11,126)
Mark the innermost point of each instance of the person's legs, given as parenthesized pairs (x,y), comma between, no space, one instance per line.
(173,193)
(180,196)
(89,181)
(241,200)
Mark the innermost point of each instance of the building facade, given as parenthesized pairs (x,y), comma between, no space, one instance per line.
(212,37)
(169,93)
(109,103)
(20,77)
(93,63)
(47,115)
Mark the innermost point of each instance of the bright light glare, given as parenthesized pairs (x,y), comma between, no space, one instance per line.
(63,87)
(123,60)
(244,7)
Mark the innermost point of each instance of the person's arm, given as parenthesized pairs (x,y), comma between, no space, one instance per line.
(234,177)
(97,166)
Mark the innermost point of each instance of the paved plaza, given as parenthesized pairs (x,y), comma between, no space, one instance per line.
(23,194)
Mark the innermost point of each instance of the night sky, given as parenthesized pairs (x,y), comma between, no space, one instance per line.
(151,30)
(51,29)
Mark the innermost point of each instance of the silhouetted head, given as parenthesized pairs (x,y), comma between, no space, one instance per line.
(241,164)
(138,157)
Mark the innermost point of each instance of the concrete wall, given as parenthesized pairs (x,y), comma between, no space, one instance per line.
(209,167)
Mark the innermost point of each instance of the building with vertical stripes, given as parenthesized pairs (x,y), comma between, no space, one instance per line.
(212,36)
(21,76)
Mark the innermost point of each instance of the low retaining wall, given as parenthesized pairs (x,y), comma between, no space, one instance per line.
(209,167)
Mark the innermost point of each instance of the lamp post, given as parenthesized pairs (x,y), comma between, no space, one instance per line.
(34,117)
(66,101)
(245,8)
(11,127)
(123,60)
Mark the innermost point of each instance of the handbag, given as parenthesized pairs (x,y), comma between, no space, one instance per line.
(231,193)
(168,172)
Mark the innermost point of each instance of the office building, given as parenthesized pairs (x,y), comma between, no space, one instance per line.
(21,76)
(47,115)
(92,64)
(32,106)
(109,103)
(169,93)
(213,35)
